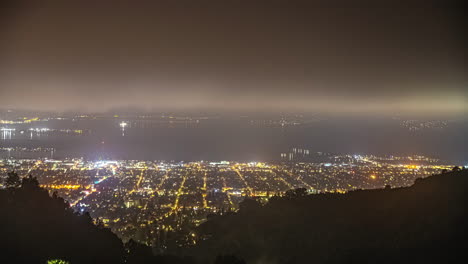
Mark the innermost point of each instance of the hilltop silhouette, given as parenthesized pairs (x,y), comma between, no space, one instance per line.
(422,223)
(35,227)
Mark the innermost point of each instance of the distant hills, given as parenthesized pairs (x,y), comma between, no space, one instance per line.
(422,223)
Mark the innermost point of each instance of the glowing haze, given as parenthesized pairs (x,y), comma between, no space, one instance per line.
(255,55)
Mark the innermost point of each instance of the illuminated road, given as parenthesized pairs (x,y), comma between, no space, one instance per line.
(204,194)
(243,180)
(179,193)
(163,179)
(175,205)
(280,178)
(140,179)
(93,190)
(299,179)
(225,189)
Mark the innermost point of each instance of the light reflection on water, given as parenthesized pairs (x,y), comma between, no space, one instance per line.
(233,140)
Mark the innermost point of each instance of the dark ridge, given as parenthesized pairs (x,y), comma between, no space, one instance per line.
(422,223)
(35,227)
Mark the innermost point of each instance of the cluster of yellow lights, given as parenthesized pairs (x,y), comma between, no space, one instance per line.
(24,121)
(62,186)
(412,166)
(6,122)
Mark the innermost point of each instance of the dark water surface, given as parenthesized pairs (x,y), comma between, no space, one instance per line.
(237,139)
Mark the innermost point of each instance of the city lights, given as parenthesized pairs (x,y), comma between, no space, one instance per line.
(160,190)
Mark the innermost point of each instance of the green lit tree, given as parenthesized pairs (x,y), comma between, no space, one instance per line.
(57,261)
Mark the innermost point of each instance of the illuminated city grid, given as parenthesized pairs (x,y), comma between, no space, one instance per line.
(138,198)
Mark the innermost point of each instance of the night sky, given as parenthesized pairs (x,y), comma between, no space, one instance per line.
(399,57)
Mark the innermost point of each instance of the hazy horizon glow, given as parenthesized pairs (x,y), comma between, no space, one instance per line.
(260,56)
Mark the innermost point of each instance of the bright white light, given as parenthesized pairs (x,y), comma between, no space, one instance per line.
(123,124)
(105,163)
(44,129)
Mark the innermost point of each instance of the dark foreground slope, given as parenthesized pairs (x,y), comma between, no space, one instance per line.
(35,227)
(422,223)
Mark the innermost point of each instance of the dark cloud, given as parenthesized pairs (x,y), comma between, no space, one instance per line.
(306,55)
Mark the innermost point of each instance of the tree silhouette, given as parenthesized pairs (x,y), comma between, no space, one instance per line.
(137,252)
(30,183)
(12,180)
(249,205)
(296,193)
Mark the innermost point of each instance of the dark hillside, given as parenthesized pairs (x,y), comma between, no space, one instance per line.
(424,222)
(35,227)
